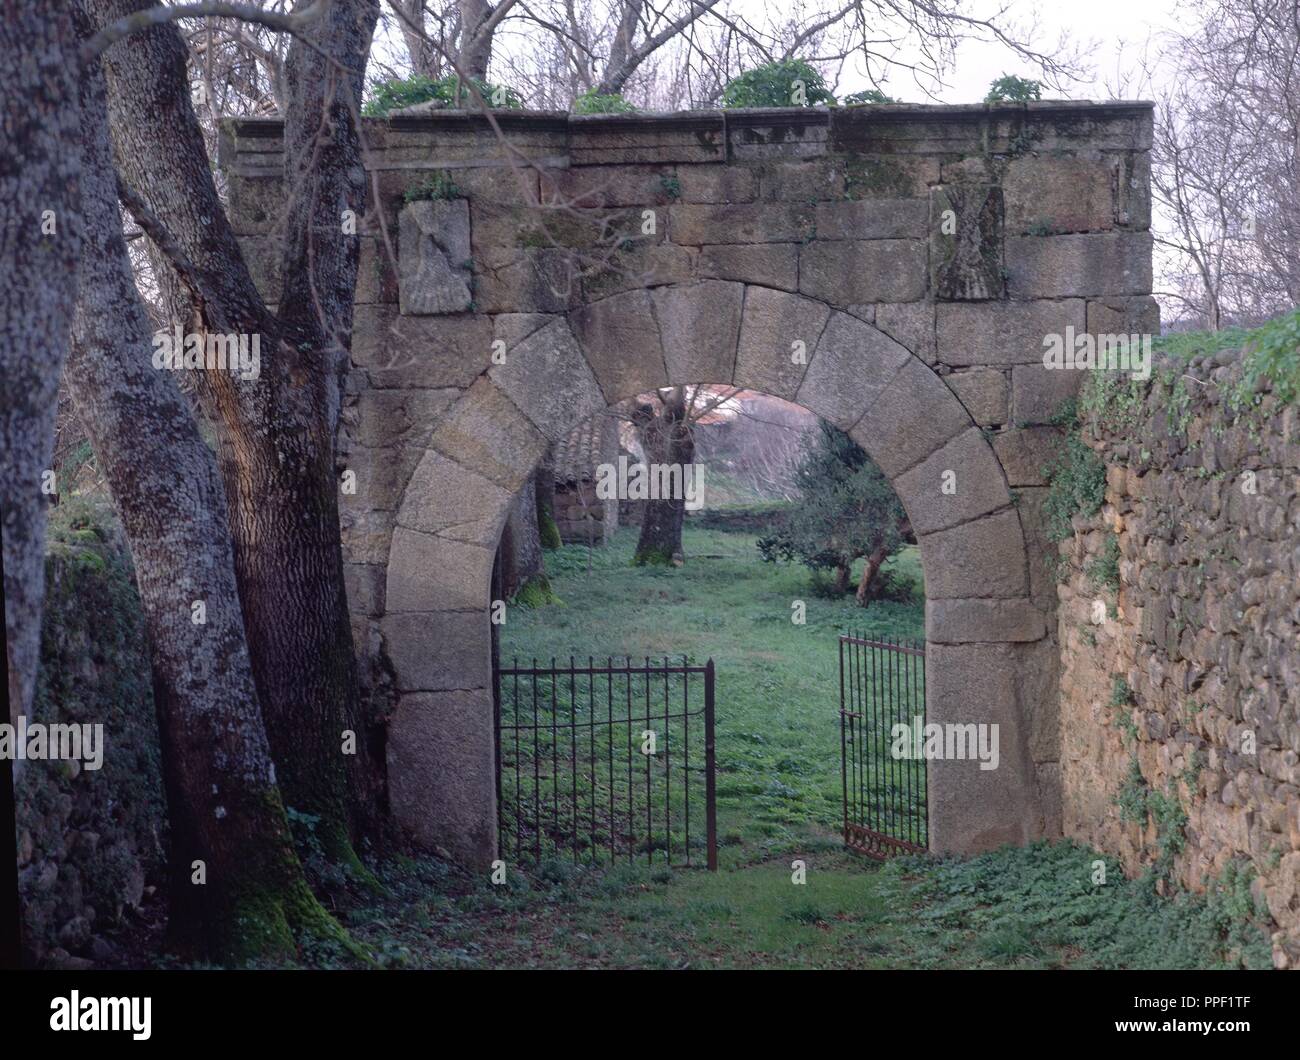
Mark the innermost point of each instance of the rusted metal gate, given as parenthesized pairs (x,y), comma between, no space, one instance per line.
(606,763)
(882,687)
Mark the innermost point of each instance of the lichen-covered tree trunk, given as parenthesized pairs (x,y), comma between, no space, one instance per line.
(276,432)
(667,438)
(236,885)
(40,243)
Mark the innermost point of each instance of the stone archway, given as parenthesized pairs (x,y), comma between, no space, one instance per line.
(920,254)
(980,617)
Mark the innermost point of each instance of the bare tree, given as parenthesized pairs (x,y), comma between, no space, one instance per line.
(1226,160)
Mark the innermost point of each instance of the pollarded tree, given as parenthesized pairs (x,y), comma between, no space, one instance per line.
(846,510)
(668,441)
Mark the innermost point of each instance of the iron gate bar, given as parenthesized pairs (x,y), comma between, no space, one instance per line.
(882,683)
(563,820)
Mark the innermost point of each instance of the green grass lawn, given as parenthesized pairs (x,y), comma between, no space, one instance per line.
(778,803)
(777,689)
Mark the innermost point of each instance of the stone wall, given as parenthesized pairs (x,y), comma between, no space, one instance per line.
(89,841)
(1180,647)
(893,269)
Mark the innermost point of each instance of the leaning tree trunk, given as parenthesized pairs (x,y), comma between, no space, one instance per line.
(667,438)
(40,246)
(224,808)
(869,571)
(276,433)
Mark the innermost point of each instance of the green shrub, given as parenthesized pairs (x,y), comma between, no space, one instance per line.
(1076,486)
(438,186)
(592,102)
(1103,571)
(1272,353)
(396,93)
(871,95)
(789,83)
(1011,89)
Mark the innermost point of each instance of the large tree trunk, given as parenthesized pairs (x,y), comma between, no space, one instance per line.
(224,808)
(40,246)
(276,433)
(475,48)
(667,438)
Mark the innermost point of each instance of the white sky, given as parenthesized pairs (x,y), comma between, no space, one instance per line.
(1109,35)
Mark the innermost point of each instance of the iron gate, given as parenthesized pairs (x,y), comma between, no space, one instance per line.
(882,685)
(606,763)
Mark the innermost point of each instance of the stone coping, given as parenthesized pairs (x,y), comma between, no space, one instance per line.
(844,124)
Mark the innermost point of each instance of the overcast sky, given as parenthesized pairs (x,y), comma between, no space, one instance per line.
(1110,34)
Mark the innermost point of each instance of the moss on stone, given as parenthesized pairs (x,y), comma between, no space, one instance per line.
(537,592)
(876,177)
(547,528)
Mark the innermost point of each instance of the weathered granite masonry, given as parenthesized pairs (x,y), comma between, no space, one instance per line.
(892,268)
(1180,688)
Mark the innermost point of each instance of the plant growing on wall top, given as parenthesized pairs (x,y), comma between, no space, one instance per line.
(449,91)
(593,102)
(1011,89)
(789,83)
(871,95)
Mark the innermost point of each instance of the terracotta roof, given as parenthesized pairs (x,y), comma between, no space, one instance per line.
(592,442)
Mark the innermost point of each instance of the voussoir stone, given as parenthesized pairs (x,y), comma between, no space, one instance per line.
(852,365)
(620,337)
(699,324)
(487,433)
(912,417)
(547,376)
(463,572)
(978,486)
(778,335)
(445,498)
